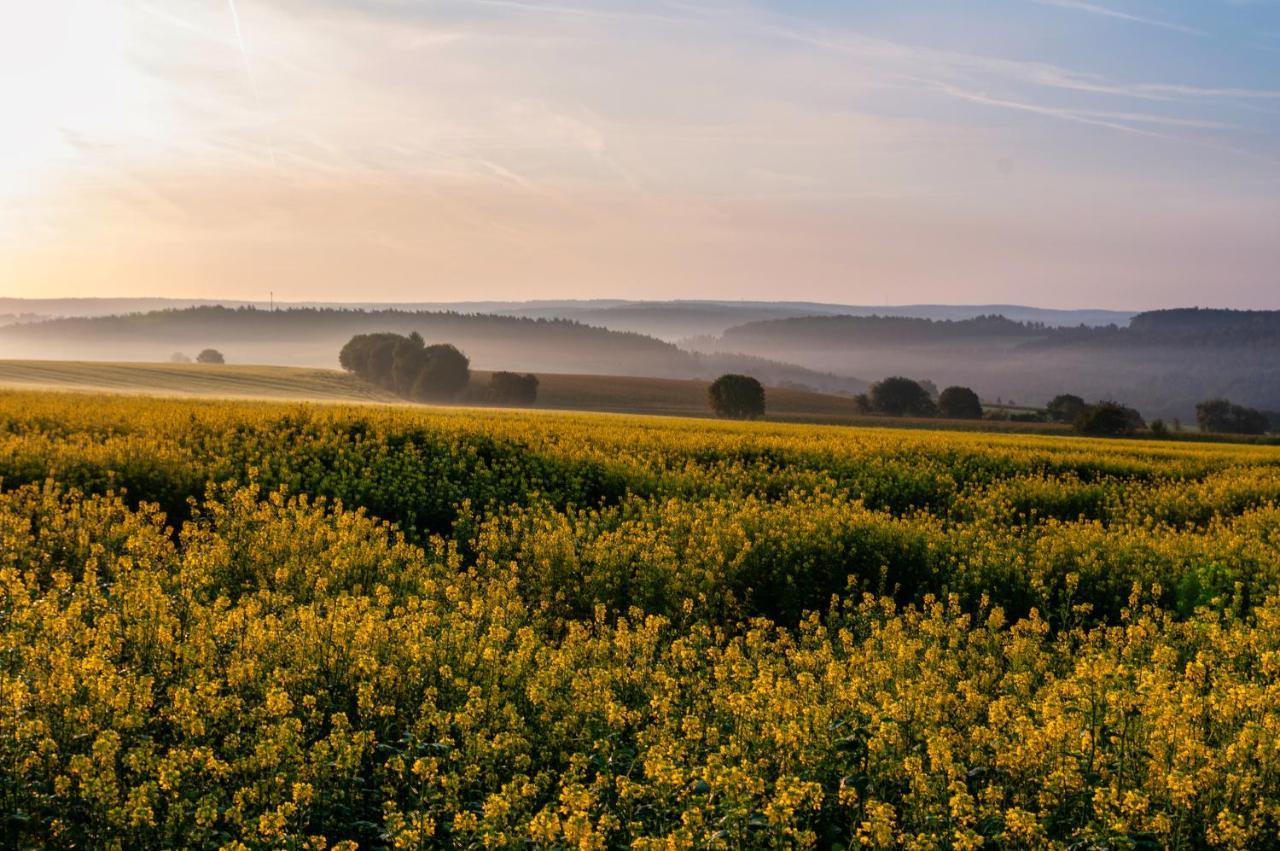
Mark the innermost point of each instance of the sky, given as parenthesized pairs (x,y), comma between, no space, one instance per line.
(1060,153)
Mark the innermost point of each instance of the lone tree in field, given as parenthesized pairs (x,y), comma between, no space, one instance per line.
(1109,419)
(960,403)
(1225,418)
(738,397)
(510,388)
(901,397)
(1065,408)
(210,356)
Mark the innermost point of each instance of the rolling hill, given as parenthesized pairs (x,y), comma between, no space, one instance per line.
(672,320)
(1162,362)
(312,337)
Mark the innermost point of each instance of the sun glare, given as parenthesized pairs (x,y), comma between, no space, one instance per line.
(64,83)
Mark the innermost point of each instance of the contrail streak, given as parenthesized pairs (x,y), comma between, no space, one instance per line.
(244,52)
(248,69)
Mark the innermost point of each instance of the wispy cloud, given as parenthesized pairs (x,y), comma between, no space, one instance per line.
(610,143)
(1108,12)
(1094,119)
(902,59)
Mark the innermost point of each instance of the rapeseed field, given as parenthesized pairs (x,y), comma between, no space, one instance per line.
(262,625)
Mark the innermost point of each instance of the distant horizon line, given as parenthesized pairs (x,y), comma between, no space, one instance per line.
(602,302)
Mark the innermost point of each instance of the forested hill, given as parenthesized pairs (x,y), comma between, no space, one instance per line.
(667,320)
(1203,321)
(1162,362)
(843,331)
(313,337)
(1183,327)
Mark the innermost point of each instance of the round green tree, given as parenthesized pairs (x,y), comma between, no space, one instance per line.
(960,403)
(738,397)
(901,397)
(1109,419)
(1066,408)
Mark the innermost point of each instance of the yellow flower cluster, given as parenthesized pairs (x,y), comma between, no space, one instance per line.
(235,625)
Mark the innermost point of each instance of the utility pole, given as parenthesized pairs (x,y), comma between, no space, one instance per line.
(273,300)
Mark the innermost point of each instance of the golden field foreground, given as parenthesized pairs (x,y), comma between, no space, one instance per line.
(267,625)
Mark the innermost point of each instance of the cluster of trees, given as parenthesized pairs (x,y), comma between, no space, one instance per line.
(1107,418)
(1220,415)
(407,366)
(905,397)
(1104,418)
(410,368)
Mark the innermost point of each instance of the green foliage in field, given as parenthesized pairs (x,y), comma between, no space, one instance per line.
(260,625)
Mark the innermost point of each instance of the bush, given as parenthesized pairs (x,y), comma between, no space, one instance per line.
(210,356)
(901,397)
(960,403)
(513,389)
(1109,419)
(738,397)
(179,357)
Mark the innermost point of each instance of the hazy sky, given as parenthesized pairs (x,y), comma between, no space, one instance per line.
(1118,153)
